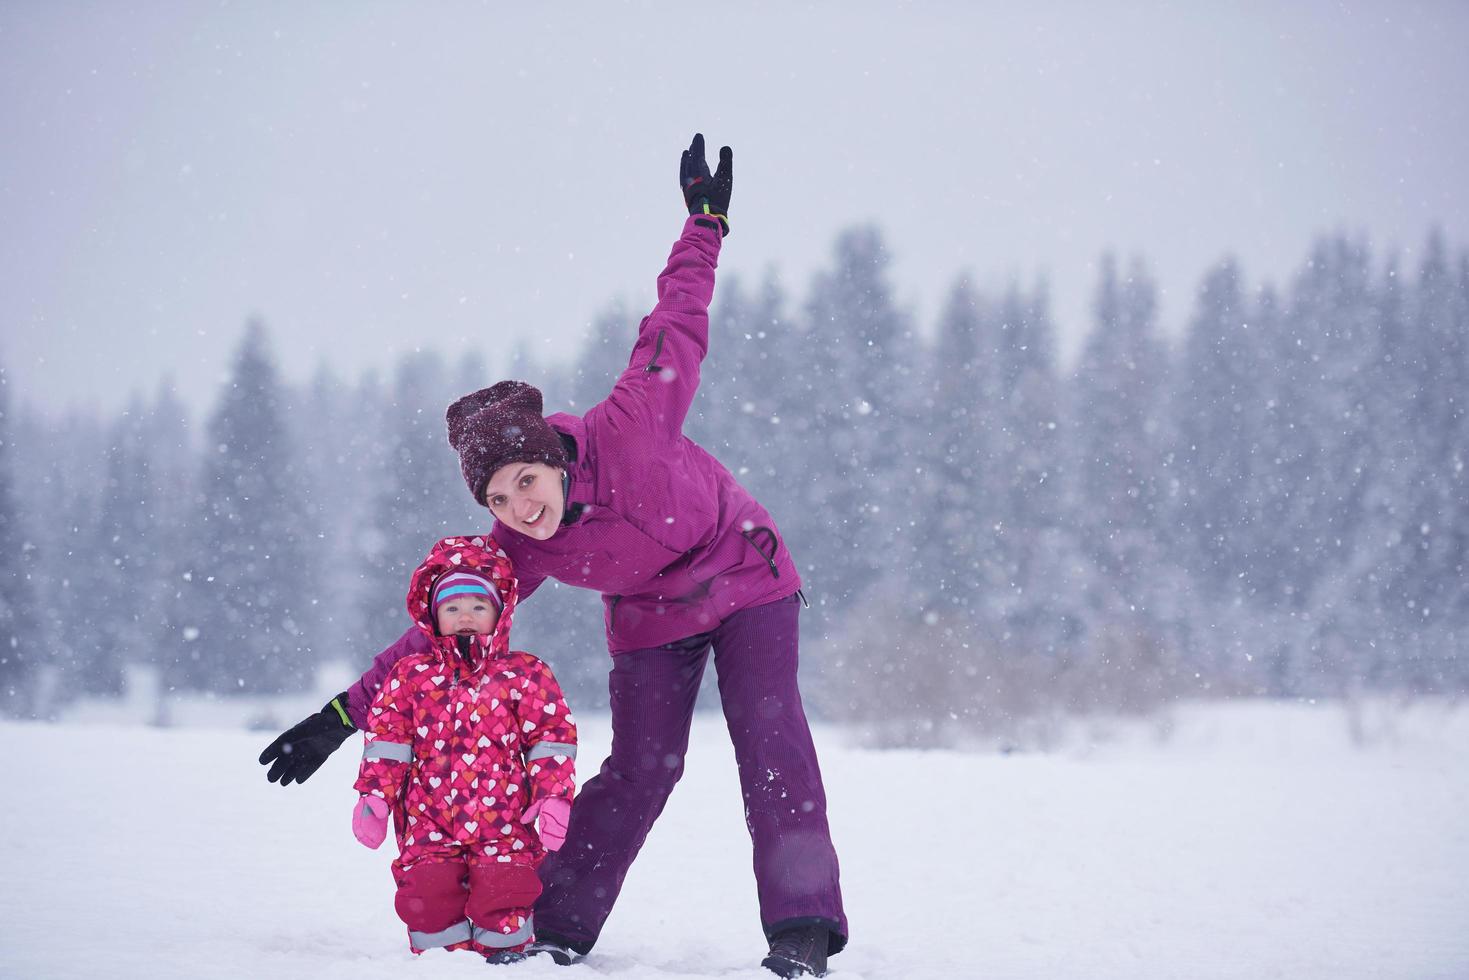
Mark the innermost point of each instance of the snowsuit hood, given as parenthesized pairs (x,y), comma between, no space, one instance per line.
(479,554)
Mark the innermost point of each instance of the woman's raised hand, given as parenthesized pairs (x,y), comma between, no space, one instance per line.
(703,193)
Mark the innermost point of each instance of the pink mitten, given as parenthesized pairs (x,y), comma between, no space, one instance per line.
(554,812)
(370,821)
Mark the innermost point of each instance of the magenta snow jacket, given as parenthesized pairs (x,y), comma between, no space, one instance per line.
(653,522)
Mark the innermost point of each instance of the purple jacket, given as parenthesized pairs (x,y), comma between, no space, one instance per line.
(653,522)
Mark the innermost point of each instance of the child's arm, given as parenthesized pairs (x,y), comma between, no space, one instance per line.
(389,746)
(547,735)
(361,694)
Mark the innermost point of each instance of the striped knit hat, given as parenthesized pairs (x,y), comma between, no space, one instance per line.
(464,582)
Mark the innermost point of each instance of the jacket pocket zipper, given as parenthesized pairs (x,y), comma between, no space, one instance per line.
(754,536)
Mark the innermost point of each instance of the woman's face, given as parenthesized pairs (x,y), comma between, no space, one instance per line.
(526,497)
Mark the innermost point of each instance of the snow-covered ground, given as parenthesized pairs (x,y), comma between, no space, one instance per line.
(1256,841)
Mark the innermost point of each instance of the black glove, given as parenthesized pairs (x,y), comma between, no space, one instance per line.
(301,749)
(702,193)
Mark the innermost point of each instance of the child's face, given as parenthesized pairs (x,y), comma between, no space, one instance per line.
(466,615)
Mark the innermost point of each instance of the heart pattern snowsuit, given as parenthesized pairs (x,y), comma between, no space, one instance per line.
(460,742)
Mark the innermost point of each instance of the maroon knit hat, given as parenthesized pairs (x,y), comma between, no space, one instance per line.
(499,425)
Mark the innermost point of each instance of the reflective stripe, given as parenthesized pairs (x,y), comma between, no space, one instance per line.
(457,933)
(391,751)
(500,940)
(542,749)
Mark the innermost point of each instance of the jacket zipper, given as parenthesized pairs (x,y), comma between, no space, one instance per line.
(455,745)
(653,365)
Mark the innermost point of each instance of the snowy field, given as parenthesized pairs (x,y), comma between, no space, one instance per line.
(1256,841)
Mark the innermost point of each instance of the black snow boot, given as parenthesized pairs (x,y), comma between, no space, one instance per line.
(559,953)
(504,957)
(798,952)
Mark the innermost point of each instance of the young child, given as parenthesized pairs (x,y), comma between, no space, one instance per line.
(468,746)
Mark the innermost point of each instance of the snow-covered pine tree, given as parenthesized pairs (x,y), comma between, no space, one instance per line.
(1219,400)
(1218,406)
(117,589)
(1331,319)
(1281,495)
(59,498)
(415,497)
(20,652)
(1438,513)
(1035,550)
(1117,452)
(339,435)
(173,541)
(1375,578)
(1277,503)
(253,573)
(755,381)
(904,659)
(736,414)
(1029,436)
(862,357)
(1456,608)
(1118,388)
(957,446)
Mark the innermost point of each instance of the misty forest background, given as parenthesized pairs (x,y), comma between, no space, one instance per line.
(1271,501)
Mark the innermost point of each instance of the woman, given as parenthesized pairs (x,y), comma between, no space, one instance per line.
(620,501)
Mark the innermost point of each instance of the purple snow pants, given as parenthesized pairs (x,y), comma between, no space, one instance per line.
(653,694)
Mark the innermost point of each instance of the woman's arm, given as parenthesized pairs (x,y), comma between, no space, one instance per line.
(360,695)
(656,389)
(662,376)
(301,749)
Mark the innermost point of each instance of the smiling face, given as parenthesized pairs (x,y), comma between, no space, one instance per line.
(466,615)
(526,497)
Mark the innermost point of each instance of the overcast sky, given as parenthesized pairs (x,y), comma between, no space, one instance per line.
(372,178)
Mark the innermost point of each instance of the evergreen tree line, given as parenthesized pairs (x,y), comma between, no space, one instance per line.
(1274,504)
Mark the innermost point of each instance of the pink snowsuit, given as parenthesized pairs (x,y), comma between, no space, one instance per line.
(460,745)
